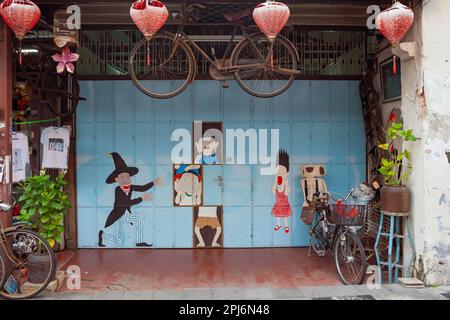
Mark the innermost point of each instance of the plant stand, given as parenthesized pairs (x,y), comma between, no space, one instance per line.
(394,244)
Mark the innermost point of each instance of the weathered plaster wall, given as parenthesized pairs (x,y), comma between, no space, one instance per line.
(426,109)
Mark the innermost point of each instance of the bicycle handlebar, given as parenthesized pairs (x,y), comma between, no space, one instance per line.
(346,197)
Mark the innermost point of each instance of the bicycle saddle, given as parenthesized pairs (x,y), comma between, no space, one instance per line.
(236,16)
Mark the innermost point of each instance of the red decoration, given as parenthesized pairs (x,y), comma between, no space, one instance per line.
(149,16)
(271,17)
(393,117)
(394,23)
(21,16)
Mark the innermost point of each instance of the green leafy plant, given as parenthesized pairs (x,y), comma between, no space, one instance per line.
(396,168)
(44,204)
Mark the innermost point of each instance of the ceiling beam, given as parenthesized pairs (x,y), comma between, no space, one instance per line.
(288,2)
(303,12)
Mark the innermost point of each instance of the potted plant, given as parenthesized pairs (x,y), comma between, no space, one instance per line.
(396,168)
(43,206)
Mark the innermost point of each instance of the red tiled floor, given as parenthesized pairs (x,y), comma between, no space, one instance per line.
(179,269)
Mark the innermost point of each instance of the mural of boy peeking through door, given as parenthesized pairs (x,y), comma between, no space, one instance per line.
(123,203)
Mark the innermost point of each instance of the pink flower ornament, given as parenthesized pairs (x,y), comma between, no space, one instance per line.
(65,60)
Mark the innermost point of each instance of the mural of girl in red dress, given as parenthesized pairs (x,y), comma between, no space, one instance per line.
(282,208)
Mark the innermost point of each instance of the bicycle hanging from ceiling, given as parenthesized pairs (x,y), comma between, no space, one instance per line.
(263,64)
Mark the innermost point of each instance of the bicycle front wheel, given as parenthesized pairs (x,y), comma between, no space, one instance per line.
(33,264)
(318,235)
(265,70)
(350,258)
(162,67)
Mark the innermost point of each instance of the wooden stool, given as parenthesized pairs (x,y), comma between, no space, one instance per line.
(394,244)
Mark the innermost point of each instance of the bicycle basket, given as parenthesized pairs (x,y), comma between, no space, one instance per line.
(347,215)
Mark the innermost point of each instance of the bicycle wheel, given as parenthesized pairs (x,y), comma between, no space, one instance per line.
(56,86)
(273,76)
(33,264)
(318,235)
(3,273)
(162,67)
(350,258)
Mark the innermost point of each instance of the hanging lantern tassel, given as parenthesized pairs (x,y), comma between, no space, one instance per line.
(148,56)
(394,65)
(271,55)
(20,52)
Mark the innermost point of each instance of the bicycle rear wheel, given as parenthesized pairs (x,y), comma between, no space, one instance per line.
(56,86)
(273,76)
(350,258)
(33,265)
(3,273)
(162,67)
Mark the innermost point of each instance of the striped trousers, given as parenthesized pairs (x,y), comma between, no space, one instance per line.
(117,237)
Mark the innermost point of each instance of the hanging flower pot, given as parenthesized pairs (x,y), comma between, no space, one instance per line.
(394,23)
(149,16)
(21,16)
(271,17)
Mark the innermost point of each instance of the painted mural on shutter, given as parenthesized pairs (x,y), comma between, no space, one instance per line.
(319,122)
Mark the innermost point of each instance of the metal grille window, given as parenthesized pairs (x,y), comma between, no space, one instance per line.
(105,53)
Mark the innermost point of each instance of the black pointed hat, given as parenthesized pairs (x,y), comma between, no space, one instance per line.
(121,167)
(283,159)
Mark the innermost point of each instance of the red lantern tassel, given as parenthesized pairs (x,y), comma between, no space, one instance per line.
(394,65)
(20,53)
(148,56)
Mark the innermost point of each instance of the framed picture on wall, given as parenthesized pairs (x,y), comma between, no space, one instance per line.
(391,84)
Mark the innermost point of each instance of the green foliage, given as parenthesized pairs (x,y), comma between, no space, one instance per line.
(43,205)
(396,168)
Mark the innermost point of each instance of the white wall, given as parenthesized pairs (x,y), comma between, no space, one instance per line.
(426,109)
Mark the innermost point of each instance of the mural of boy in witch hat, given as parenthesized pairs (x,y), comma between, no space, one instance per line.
(280,188)
(123,203)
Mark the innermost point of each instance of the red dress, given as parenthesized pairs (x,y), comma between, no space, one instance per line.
(281,209)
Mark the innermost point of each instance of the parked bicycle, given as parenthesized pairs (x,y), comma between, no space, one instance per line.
(333,228)
(27,262)
(262,68)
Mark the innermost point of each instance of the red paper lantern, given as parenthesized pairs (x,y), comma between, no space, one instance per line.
(149,16)
(21,16)
(394,23)
(271,17)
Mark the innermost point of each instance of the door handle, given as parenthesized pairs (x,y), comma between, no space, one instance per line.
(219,181)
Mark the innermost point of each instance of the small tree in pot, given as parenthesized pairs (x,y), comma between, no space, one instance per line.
(396,169)
(43,206)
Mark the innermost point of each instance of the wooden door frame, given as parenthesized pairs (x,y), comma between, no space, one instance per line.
(6,89)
